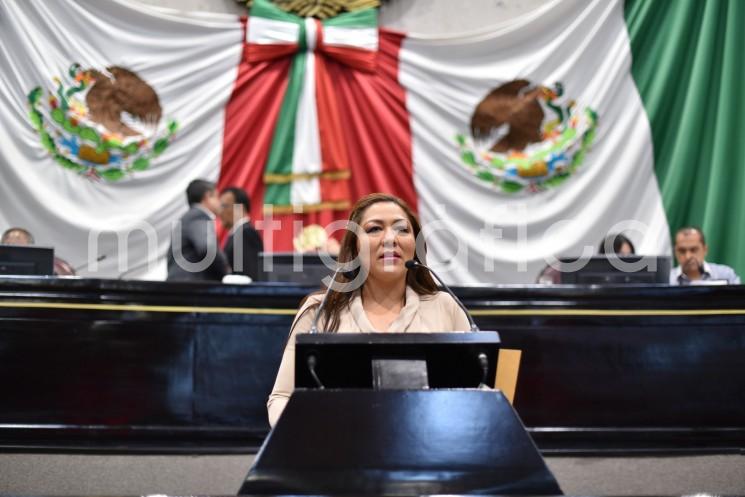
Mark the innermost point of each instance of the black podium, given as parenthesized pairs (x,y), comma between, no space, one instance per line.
(341,435)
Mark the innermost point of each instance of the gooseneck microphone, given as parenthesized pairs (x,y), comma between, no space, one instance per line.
(311,359)
(85,265)
(483,360)
(411,264)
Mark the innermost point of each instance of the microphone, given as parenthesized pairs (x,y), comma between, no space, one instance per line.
(312,361)
(484,363)
(86,264)
(314,326)
(411,264)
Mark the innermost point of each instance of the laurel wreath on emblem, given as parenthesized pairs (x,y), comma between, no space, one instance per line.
(517,148)
(103,125)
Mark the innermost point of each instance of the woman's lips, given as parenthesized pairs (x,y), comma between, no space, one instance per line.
(389,256)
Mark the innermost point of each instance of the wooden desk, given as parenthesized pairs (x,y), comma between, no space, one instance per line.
(125,365)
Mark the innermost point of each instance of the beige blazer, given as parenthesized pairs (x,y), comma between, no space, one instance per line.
(421,313)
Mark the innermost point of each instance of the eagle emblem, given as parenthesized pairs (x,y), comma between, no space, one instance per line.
(103,124)
(526,138)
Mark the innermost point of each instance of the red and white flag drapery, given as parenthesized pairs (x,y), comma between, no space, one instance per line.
(317,118)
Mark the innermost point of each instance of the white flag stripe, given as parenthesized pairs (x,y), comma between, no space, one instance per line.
(311,35)
(366,38)
(264,31)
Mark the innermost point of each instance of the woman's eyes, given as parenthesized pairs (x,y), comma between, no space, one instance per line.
(397,229)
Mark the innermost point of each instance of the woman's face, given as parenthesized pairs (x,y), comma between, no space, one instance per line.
(386,241)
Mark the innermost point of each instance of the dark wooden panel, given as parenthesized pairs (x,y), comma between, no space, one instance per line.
(95,372)
(617,371)
(237,365)
(118,363)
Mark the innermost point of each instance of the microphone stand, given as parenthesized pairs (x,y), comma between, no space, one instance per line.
(312,360)
(314,326)
(483,361)
(411,264)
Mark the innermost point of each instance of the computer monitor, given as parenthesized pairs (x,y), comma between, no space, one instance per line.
(290,267)
(26,260)
(609,270)
(348,360)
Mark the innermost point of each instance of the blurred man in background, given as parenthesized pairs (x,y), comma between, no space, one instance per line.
(194,254)
(690,252)
(244,243)
(21,236)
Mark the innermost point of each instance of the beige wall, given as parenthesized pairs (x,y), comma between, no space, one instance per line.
(449,17)
(416,16)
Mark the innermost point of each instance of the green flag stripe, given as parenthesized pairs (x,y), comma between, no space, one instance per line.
(688,64)
(281,153)
(267,10)
(278,194)
(366,18)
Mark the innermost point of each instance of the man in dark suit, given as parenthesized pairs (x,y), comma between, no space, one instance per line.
(244,244)
(194,253)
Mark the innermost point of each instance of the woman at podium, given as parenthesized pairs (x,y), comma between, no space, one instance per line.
(381,295)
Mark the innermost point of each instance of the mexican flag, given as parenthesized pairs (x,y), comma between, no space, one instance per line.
(662,81)
(516,144)
(110,109)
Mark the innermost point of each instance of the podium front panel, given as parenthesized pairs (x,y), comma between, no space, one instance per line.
(390,442)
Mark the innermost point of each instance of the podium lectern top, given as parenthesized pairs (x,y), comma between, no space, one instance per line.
(345,360)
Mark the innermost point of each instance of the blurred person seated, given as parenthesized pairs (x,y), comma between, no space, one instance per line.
(693,269)
(21,236)
(616,243)
(17,236)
